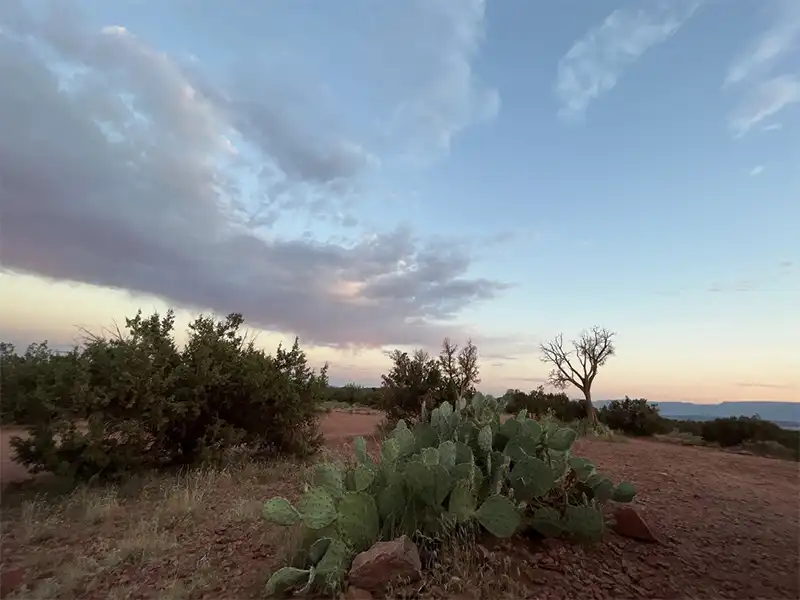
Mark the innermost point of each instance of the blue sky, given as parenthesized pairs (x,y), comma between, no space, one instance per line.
(372,175)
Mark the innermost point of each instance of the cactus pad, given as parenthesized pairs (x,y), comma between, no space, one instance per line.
(363,476)
(448,454)
(462,501)
(531,478)
(547,521)
(585,523)
(281,512)
(624,492)
(358,520)
(317,508)
(329,477)
(561,439)
(285,579)
(499,516)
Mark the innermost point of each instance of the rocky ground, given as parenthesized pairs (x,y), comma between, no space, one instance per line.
(727,527)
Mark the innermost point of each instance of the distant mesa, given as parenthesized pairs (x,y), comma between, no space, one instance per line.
(785,414)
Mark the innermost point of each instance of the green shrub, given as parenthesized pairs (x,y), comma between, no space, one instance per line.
(138,401)
(352,394)
(36,384)
(456,468)
(538,402)
(735,431)
(418,379)
(632,416)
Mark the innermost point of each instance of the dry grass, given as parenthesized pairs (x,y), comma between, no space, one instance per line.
(683,438)
(462,568)
(167,536)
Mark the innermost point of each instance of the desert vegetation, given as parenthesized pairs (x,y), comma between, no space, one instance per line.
(216,470)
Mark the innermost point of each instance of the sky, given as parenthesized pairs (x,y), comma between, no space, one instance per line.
(373,174)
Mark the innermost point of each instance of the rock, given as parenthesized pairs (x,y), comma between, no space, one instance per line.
(354,593)
(10,580)
(385,562)
(628,523)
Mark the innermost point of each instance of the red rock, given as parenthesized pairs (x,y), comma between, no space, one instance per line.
(385,562)
(628,523)
(10,580)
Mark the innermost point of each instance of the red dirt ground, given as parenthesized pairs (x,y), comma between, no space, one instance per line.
(729,525)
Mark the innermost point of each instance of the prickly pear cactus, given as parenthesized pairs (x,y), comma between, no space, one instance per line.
(459,464)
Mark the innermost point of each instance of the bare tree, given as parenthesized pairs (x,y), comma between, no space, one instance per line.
(468,367)
(459,367)
(578,366)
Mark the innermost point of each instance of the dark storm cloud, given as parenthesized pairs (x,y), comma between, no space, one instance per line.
(116,169)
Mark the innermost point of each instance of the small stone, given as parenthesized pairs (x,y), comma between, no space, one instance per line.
(628,523)
(10,580)
(384,563)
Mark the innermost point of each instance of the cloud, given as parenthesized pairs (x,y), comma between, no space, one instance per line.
(767,49)
(757,170)
(772,127)
(769,279)
(771,386)
(764,100)
(122,167)
(753,72)
(594,64)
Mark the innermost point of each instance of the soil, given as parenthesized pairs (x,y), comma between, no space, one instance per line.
(728,526)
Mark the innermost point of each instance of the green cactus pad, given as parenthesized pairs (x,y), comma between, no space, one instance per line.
(466,432)
(531,429)
(363,476)
(462,471)
(281,512)
(485,436)
(602,488)
(448,454)
(329,477)
(463,453)
(430,457)
(624,492)
(520,448)
(285,579)
(585,523)
(558,463)
(462,501)
(390,450)
(318,550)
(406,442)
(425,436)
(531,478)
(510,428)
(332,568)
(582,467)
(547,521)
(421,481)
(360,449)
(499,516)
(392,500)
(317,508)
(443,484)
(358,520)
(562,439)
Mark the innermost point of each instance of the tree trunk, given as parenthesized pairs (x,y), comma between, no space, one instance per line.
(591,411)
